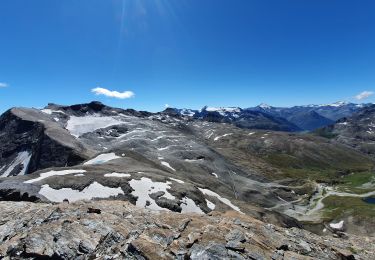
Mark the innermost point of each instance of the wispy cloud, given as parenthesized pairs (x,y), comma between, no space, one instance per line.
(364,95)
(3,85)
(113,94)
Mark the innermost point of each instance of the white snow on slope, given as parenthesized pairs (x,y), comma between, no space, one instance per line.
(22,158)
(95,190)
(78,126)
(168,166)
(50,111)
(218,137)
(210,205)
(337,226)
(116,174)
(194,160)
(102,158)
(177,180)
(188,206)
(144,187)
(45,175)
(224,200)
(223,110)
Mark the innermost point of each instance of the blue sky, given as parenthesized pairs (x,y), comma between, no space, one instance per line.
(186,53)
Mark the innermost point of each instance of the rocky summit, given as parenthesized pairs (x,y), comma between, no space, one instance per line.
(90,181)
(118,230)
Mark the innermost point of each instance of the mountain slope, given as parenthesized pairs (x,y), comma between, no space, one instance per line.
(171,162)
(357,131)
(309,120)
(135,151)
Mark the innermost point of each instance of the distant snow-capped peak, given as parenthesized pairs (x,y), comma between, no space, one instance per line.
(222,109)
(264,106)
(187,112)
(336,104)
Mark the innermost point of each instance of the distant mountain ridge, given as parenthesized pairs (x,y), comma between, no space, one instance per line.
(357,130)
(263,116)
(239,117)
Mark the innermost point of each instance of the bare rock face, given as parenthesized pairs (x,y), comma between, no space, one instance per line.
(122,231)
(31,140)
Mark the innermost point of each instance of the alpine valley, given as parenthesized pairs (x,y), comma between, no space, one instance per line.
(90,181)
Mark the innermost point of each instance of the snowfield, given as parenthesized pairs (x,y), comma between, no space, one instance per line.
(78,126)
(95,190)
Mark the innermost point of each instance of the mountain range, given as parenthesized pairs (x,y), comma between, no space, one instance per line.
(263,116)
(260,166)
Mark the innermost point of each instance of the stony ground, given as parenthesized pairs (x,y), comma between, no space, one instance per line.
(119,230)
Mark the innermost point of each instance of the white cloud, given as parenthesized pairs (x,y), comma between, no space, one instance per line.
(166,105)
(364,94)
(3,85)
(114,94)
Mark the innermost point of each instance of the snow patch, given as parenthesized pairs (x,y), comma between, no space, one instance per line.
(78,126)
(194,160)
(177,180)
(188,206)
(210,205)
(102,158)
(117,175)
(337,226)
(95,190)
(144,187)
(168,166)
(45,175)
(223,200)
(22,158)
(218,137)
(214,174)
(50,111)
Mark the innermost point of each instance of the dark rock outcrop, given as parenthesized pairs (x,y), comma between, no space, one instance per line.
(35,136)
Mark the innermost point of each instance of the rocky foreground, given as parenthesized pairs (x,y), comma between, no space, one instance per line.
(119,230)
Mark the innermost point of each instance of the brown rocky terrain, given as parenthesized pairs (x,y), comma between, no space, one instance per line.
(118,230)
